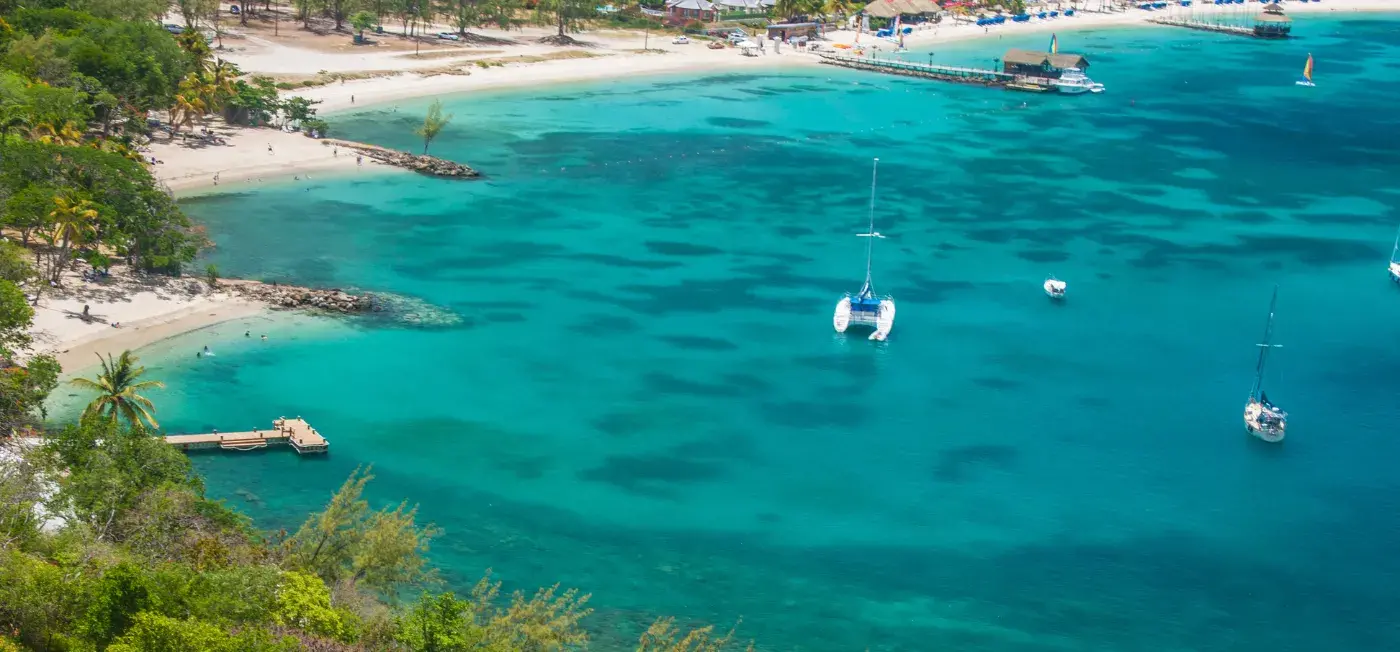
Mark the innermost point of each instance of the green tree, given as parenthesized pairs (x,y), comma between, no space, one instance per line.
(23,390)
(14,263)
(297,110)
(153,632)
(349,542)
(123,592)
(74,222)
(117,386)
(566,15)
(433,124)
(549,620)
(361,21)
(664,636)
(15,318)
(304,602)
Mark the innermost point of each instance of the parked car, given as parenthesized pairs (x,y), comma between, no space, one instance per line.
(173,28)
(736,38)
(681,40)
(449,36)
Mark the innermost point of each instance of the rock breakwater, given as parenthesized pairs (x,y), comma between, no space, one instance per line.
(420,163)
(291,296)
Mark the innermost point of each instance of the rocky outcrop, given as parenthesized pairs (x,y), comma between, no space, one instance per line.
(422,164)
(291,296)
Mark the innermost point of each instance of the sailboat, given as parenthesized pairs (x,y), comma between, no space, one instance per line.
(865,308)
(1262,418)
(1395,264)
(1307,73)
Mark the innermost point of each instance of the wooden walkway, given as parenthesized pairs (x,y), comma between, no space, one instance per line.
(1237,30)
(924,70)
(296,433)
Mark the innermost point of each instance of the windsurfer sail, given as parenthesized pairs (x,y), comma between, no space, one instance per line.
(1054,44)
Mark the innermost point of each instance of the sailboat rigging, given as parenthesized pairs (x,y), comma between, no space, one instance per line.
(865,308)
(1262,418)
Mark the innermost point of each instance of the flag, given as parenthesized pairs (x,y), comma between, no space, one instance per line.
(1054,44)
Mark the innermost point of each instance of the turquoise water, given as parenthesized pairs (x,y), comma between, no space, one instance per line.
(644,397)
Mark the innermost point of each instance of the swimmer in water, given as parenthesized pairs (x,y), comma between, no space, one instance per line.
(264,338)
(247,333)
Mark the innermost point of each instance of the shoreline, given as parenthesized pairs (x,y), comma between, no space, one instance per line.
(189,169)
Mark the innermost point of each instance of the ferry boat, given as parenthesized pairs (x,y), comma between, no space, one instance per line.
(1395,264)
(865,308)
(1262,418)
(1073,81)
(1055,288)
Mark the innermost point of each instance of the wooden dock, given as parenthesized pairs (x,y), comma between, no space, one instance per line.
(924,70)
(296,433)
(1237,30)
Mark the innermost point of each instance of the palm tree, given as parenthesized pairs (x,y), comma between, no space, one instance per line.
(73,221)
(194,45)
(117,388)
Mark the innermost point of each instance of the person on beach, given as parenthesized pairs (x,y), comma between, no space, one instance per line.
(352,99)
(335,151)
(269,148)
(360,161)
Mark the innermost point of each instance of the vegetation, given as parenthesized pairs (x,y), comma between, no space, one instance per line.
(107,539)
(433,124)
(117,386)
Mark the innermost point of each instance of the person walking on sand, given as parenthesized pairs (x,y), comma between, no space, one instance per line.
(360,161)
(352,99)
(269,148)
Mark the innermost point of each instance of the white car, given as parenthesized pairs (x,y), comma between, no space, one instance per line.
(449,36)
(681,40)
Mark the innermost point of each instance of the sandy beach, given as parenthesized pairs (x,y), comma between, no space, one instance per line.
(145,310)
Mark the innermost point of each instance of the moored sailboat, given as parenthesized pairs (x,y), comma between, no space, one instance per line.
(1307,73)
(865,308)
(1055,288)
(1262,418)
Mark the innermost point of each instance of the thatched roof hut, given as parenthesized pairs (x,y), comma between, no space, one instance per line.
(1028,59)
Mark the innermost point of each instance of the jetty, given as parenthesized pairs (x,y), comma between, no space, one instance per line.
(296,433)
(1022,70)
(1271,24)
(927,71)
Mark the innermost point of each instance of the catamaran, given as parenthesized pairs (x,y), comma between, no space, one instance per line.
(1262,418)
(1307,73)
(865,308)
(1055,288)
(1395,264)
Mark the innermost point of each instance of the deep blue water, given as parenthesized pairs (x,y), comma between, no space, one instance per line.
(644,399)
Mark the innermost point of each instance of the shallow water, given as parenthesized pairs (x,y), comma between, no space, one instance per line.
(644,398)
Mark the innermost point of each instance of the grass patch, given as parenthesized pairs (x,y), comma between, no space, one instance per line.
(447,55)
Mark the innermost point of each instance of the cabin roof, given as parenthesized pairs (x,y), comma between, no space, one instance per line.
(1032,58)
(1267,17)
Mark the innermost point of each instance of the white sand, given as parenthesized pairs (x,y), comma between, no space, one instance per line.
(147,312)
(245,159)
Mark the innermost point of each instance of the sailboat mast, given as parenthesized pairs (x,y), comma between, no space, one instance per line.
(1264,347)
(870,243)
(1396,247)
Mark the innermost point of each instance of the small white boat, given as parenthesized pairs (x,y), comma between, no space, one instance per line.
(1263,419)
(865,308)
(1054,288)
(1073,81)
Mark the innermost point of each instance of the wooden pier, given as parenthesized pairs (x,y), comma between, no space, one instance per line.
(924,70)
(1238,30)
(296,433)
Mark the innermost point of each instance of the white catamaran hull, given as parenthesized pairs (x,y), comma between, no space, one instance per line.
(842,319)
(884,322)
(1395,272)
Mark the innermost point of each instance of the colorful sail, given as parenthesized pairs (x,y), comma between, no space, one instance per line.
(1055,46)
(1307,68)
